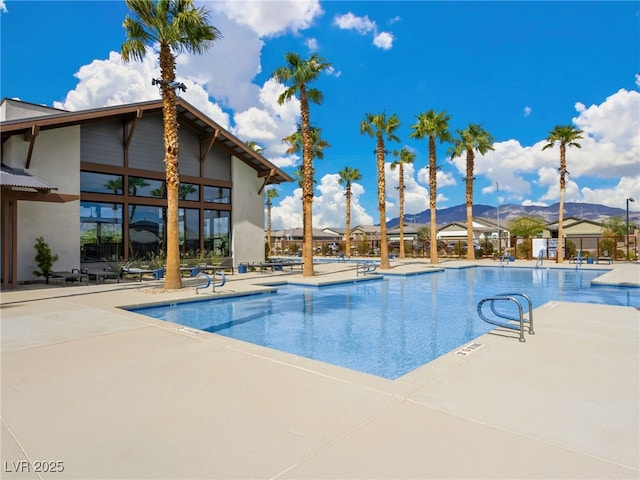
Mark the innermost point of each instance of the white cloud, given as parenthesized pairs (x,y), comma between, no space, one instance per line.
(272,18)
(383,40)
(527,111)
(610,152)
(3,7)
(637,79)
(329,206)
(363,25)
(349,21)
(111,82)
(616,195)
(416,196)
(311,44)
(269,123)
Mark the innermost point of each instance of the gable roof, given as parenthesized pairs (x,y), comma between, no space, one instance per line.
(188,115)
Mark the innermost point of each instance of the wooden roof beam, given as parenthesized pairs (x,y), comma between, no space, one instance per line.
(133,123)
(267,176)
(30,136)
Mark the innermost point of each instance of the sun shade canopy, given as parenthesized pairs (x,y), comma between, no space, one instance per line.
(18,178)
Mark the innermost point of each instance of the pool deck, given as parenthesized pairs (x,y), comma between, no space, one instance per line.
(112,394)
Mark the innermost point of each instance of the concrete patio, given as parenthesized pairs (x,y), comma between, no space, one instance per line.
(106,393)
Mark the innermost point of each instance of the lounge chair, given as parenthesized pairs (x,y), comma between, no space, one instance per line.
(73,275)
(137,271)
(102,274)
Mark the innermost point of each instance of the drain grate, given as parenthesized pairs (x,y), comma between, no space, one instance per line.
(469,349)
(190,331)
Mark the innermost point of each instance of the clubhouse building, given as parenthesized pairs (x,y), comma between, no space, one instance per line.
(91,183)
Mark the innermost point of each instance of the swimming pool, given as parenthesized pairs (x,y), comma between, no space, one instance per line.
(385,327)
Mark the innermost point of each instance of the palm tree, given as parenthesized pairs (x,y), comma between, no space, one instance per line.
(299,73)
(435,126)
(406,156)
(566,136)
(348,175)
(379,126)
(474,137)
(254,146)
(296,145)
(271,194)
(175,26)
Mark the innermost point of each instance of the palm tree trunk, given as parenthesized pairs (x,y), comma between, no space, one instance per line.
(269,227)
(560,252)
(433,251)
(401,185)
(469,198)
(563,167)
(347,249)
(167,68)
(307,186)
(384,249)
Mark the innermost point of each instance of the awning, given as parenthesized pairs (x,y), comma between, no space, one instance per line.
(18,178)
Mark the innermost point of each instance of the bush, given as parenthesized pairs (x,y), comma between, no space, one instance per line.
(44,258)
(570,249)
(608,245)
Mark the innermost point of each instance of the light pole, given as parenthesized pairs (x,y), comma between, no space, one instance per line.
(628,200)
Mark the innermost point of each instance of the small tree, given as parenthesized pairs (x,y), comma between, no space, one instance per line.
(44,258)
(526,226)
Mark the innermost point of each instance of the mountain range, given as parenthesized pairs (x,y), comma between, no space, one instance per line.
(510,211)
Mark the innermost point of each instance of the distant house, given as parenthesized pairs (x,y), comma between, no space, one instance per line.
(482,230)
(583,233)
(289,241)
(91,183)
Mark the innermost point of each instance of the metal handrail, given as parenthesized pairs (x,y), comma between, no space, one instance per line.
(540,258)
(367,267)
(508,297)
(207,281)
(223,279)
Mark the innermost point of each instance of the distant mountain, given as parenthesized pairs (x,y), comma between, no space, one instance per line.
(510,211)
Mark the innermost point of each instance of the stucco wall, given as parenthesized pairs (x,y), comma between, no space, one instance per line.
(56,160)
(247,217)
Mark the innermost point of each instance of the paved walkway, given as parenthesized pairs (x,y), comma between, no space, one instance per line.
(106,393)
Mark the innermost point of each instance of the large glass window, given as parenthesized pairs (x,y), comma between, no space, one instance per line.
(146,231)
(189,231)
(100,232)
(189,191)
(101,183)
(146,187)
(217,194)
(217,228)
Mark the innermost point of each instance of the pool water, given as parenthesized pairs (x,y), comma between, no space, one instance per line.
(384,327)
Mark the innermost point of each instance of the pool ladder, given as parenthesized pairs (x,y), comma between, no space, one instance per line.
(207,280)
(508,297)
(365,268)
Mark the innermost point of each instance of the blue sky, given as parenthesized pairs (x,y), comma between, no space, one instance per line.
(518,68)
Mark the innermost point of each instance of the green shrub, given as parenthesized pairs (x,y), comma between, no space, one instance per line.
(570,249)
(44,258)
